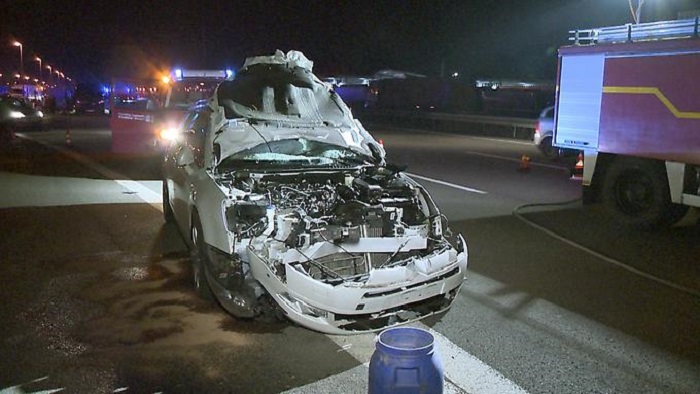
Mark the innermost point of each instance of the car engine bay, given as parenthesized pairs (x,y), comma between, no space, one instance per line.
(283,212)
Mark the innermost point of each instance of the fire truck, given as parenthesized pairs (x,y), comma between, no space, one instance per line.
(145,114)
(628,97)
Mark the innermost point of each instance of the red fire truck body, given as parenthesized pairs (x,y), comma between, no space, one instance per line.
(145,113)
(629,98)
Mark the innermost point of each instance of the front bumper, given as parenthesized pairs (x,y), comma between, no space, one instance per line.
(355,307)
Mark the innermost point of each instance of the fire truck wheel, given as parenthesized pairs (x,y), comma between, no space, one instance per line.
(636,192)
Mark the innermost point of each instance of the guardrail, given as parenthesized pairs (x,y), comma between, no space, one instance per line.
(499,126)
(662,30)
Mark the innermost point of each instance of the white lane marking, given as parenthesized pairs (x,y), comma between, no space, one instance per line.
(20,390)
(463,372)
(142,191)
(145,194)
(585,337)
(52,191)
(352,381)
(460,187)
(522,142)
(468,372)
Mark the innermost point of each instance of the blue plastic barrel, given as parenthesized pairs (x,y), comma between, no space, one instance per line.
(405,361)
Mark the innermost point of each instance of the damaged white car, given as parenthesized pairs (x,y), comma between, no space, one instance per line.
(290,209)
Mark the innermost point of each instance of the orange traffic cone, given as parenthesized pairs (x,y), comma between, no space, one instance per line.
(577,172)
(67,136)
(524,164)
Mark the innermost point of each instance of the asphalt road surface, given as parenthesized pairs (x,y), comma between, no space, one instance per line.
(97,298)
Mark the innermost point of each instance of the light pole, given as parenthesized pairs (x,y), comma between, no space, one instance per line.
(58,77)
(21,56)
(50,72)
(38,59)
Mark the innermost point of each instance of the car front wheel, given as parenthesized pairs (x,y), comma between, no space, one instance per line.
(548,149)
(199,260)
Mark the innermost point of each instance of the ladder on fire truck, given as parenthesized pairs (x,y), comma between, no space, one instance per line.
(683,28)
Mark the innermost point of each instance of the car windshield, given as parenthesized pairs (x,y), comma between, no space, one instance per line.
(276,92)
(293,153)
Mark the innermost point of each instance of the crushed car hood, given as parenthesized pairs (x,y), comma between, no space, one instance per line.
(278,97)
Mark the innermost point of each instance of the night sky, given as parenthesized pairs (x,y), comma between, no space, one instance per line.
(97,40)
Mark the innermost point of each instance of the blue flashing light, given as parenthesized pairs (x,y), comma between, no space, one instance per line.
(178,74)
(229,73)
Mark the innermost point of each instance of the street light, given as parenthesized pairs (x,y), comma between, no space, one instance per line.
(38,59)
(21,58)
(48,80)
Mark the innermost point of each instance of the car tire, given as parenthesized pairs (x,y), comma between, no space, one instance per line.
(168,214)
(547,149)
(268,311)
(198,253)
(636,192)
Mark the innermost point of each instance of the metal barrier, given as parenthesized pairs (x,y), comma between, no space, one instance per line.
(498,126)
(663,30)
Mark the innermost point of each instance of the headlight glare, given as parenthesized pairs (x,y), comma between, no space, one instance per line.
(169,133)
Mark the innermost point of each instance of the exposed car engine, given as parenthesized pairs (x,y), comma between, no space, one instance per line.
(296,211)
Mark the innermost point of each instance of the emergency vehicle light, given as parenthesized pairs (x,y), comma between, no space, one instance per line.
(181,74)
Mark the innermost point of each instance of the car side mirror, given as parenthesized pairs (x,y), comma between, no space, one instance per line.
(184,156)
